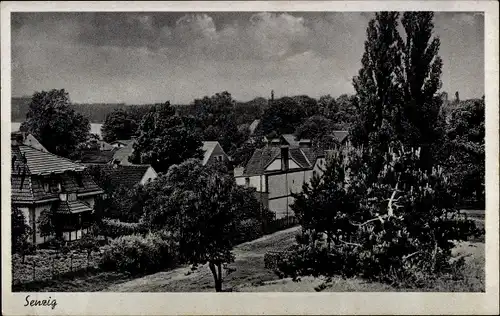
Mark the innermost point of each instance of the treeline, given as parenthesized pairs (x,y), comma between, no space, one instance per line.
(97,112)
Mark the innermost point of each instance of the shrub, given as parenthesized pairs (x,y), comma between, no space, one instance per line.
(115,228)
(139,254)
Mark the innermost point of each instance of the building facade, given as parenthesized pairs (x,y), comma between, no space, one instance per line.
(278,170)
(43,182)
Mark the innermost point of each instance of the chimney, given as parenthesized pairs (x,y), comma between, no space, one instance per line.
(17,138)
(284,158)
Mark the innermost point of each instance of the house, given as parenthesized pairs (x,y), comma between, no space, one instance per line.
(277,170)
(121,143)
(340,137)
(130,175)
(41,181)
(253,127)
(213,152)
(96,156)
(122,155)
(29,140)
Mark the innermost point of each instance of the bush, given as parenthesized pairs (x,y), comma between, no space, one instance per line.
(114,228)
(139,254)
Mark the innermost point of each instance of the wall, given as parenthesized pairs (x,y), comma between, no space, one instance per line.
(255,182)
(276,165)
(90,200)
(278,186)
(150,174)
(279,206)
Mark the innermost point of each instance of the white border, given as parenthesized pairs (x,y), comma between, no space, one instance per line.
(267,303)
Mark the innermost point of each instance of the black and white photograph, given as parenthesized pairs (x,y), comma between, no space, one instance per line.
(215,151)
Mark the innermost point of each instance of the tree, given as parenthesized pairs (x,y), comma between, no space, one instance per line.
(88,243)
(309,105)
(420,78)
(52,121)
(216,115)
(200,206)
(46,224)
(316,128)
(393,228)
(20,232)
(377,91)
(164,140)
(282,116)
(127,203)
(119,124)
(465,152)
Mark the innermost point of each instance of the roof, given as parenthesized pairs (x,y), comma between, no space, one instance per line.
(105,146)
(98,156)
(26,139)
(290,139)
(208,149)
(40,162)
(73,207)
(32,189)
(126,175)
(254,126)
(261,158)
(122,154)
(339,136)
(31,168)
(125,142)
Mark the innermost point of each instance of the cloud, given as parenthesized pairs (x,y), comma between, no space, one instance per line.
(148,57)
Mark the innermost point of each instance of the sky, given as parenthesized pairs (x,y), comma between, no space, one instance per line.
(150,57)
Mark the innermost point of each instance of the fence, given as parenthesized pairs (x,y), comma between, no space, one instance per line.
(280,224)
(49,264)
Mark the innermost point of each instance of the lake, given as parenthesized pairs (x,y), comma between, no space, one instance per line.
(95,128)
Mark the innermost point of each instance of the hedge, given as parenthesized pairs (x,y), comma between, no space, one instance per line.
(114,228)
(137,254)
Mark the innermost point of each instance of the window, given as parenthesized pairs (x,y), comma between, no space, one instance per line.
(247,182)
(72,197)
(46,187)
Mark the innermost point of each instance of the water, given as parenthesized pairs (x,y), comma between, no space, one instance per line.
(95,128)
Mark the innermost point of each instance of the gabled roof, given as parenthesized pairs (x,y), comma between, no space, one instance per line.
(339,136)
(23,138)
(125,142)
(126,175)
(122,154)
(254,126)
(262,157)
(98,156)
(39,162)
(208,149)
(290,139)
